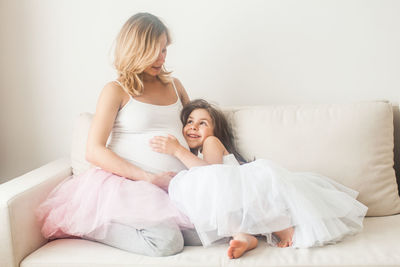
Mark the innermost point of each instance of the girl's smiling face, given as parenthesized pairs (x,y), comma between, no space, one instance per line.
(198,127)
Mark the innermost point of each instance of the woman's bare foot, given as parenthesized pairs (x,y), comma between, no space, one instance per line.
(285,237)
(240,244)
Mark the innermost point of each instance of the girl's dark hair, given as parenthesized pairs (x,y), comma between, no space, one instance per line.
(222,129)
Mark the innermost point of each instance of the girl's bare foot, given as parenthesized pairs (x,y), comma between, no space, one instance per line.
(240,244)
(285,237)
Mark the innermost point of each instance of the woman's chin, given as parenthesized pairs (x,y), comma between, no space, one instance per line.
(152,73)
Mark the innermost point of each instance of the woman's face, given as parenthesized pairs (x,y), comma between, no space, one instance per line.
(198,127)
(155,68)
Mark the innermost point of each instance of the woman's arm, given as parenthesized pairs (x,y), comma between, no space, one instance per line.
(213,150)
(108,105)
(110,101)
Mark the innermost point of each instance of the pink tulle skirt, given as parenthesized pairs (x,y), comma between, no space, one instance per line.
(90,201)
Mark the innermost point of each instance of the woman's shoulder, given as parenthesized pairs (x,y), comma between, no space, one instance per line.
(114,86)
(181,90)
(178,85)
(113,94)
(176,81)
(114,89)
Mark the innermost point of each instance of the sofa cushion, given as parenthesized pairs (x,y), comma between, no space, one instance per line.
(375,246)
(350,143)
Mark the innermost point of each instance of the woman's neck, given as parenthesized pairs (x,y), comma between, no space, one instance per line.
(149,78)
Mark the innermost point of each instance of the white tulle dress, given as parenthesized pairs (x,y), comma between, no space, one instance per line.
(261,197)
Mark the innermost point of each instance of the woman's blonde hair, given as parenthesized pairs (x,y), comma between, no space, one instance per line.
(137,47)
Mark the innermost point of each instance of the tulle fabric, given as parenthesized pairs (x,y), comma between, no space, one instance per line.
(261,198)
(90,201)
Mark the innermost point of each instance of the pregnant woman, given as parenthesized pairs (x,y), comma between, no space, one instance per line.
(121,201)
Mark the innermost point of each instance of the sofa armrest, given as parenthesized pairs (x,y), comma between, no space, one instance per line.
(19,230)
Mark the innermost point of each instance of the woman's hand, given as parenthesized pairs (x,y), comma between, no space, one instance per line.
(166,145)
(160,179)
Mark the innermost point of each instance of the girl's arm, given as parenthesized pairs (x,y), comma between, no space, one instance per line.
(108,105)
(213,150)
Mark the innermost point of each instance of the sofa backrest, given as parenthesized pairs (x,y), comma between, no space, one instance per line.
(350,143)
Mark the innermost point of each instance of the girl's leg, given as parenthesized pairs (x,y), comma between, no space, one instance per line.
(285,237)
(161,240)
(240,244)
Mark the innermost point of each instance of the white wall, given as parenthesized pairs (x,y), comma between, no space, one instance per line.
(55,56)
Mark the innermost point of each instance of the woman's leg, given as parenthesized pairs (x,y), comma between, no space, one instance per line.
(190,237)
(162,240)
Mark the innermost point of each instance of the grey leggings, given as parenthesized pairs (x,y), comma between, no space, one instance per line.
(161,240)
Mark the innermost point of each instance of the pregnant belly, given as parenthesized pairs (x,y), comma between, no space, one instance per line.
(135,148)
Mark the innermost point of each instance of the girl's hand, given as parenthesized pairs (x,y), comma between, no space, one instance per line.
(166,145)
(160,179)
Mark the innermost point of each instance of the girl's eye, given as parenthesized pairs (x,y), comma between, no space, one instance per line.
(203,123)
(189,122)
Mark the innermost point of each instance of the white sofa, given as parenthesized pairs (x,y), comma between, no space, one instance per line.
(351,143)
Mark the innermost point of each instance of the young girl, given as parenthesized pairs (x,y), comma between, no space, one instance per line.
(224,199)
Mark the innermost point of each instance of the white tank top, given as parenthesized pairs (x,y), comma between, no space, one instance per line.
(136,123)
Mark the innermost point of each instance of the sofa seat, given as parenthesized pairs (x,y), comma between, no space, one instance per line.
(358,250)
